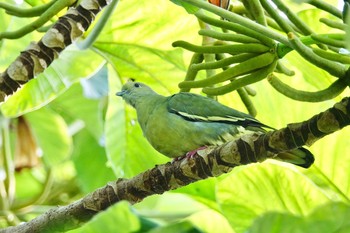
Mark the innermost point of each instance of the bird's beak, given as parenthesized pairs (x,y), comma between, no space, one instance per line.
(121,93)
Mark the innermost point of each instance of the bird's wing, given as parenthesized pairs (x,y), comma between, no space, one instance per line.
(193,107)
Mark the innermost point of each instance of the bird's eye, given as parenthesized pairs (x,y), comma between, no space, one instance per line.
(137,85)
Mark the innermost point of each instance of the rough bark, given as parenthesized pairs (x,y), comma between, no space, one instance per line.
(38,56)
(210,162)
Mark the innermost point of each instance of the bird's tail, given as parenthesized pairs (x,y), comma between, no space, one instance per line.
(300,157)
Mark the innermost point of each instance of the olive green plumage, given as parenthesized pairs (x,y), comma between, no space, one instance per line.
(183,122)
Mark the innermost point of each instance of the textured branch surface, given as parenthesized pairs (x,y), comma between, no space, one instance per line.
(38,56)
(210,162)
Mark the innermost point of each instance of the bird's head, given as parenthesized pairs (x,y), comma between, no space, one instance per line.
(134,92)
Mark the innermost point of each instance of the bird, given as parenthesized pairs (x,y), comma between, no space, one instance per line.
(184,122)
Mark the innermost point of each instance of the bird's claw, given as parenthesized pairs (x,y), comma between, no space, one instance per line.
(189,155)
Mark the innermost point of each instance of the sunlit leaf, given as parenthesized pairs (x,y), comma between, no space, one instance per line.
(74,106)
(97,86)
(332,217)
(183,226)
(70,67)
(202,191)
(51,133)
(118,218)
(188,7)
(260,188)
(210,221)
(87,153)
(333,163)
(152,23)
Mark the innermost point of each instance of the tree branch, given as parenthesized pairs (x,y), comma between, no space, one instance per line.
(38,56)
(210,162)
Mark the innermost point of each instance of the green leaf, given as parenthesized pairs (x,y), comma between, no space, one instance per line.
(210,221)
(70,67)
(202,191)
(257,189)
(142,63)
(153,24)
(332,217)
(139,45)
(97,86)
(332,171)
(183,226)
(118,218)
(87,152)
(51,133)
(74,106)
(188,7)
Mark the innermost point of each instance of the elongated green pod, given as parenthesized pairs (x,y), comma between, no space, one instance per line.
(245,67)
(275,14)
(247,101)
(24,12)
(192,73)
(307,96)
(52,10)
(250,91)
(269,34)
(335,69)
(227,36)
(255,8)
(283,69)
(338,41)
(333,24)
(326,7)
(301,25)
(236,28)
(337,57)
(253,77)
(231,49)
(223,62)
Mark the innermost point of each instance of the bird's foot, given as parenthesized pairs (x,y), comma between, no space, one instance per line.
(190,154)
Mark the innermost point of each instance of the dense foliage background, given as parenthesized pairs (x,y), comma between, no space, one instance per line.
(85,136)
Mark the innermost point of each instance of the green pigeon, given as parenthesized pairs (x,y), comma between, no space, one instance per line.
(182,123)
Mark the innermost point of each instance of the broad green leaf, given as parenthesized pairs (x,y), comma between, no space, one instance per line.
(138,41)
(70,67)
(152,23)
(118,218)
(332,161)
(188,7)
(97,86)
(210,221)
(183,227)
(128,151)
(260,188)
(143,64)
(51,133)
(274,222)
(202,191)
(329,218)
(33,186)
(87,152)
(74,106)
(308,77)
(311,18)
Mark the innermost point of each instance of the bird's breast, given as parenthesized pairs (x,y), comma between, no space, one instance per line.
(174,136)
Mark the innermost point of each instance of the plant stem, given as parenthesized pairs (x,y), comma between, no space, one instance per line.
(307,96)
(90,39)
(239,20)
(28,12)
(46,16)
